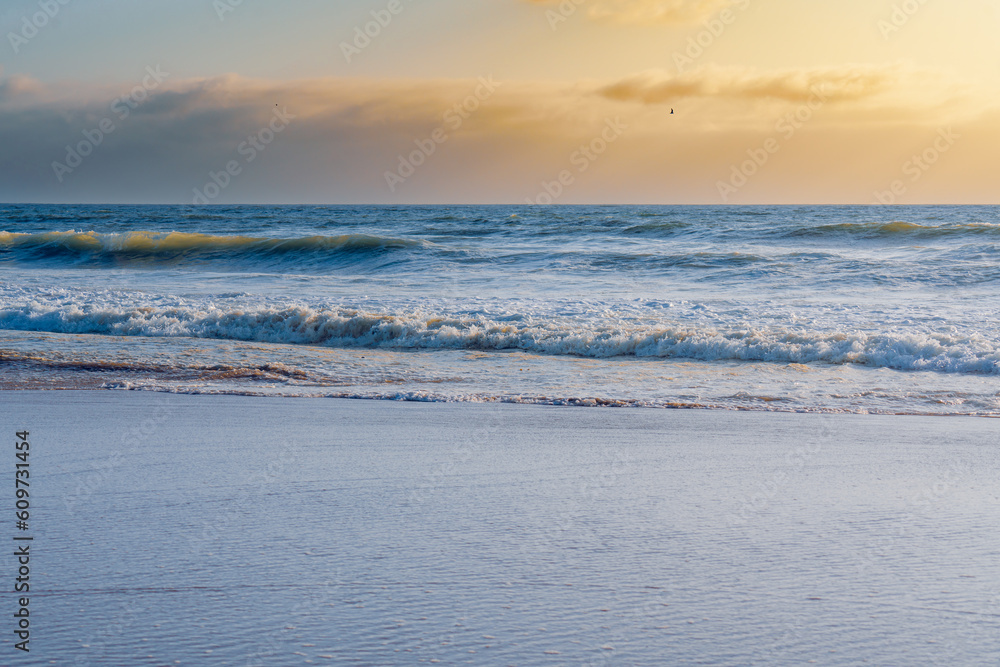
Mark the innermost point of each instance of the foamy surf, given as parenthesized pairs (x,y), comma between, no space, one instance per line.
(35,360)
(763,308)
(349,328)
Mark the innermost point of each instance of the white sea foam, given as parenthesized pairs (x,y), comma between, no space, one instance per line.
(950,352)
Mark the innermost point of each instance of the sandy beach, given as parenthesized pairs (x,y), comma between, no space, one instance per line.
(227,530)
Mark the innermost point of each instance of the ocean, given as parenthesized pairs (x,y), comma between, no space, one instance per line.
(861,309)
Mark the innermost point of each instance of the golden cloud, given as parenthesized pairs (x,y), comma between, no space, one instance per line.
(845,83)
(347,133)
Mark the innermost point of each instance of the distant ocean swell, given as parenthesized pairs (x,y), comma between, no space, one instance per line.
(326,254)
(898,229)
(138,248)
(947,353)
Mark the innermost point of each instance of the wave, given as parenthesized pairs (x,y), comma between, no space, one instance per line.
(270,371)
(143,248)
(616,261)
(349,328)
(897,228)
(316,254)
(658,228)
(582,401)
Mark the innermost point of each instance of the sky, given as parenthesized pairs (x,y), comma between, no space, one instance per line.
(500,101)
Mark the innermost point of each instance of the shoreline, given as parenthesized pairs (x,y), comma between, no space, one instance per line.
(587,402)
(42,360)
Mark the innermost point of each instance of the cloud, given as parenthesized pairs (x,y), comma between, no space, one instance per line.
(18,87)
(648,11)
(846,83)
(347,133)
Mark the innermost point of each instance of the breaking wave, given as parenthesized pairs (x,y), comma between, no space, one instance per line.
(349,328)
(140,248)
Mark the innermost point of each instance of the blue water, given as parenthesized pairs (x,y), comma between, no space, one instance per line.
(862,309)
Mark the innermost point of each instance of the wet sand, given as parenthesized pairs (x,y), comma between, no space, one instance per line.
(228,530)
